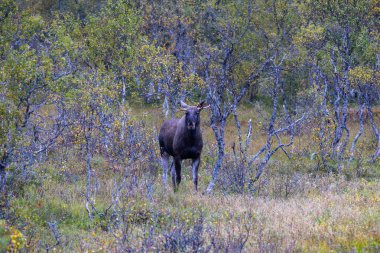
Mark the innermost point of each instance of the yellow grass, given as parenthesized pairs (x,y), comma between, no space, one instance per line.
(321,213)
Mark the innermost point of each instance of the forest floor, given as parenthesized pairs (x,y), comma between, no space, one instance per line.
(294,208)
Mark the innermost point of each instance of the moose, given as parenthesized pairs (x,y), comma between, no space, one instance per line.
(182,139)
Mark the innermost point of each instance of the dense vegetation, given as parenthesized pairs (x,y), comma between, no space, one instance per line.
(292,136)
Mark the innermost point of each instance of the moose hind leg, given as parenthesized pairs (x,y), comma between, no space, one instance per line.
(173,176)
(165,167)
(195,166)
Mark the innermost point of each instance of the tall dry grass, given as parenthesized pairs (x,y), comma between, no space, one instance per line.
(293,208)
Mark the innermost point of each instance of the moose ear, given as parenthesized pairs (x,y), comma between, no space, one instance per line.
(202,106)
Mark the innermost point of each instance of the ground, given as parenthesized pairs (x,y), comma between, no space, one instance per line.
(292,208)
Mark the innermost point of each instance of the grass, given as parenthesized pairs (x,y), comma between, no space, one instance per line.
(294,208)
(330,213)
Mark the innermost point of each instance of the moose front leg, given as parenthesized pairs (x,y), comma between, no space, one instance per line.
(176,173)
(196,162)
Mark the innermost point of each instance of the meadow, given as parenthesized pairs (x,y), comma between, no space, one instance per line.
(293,208)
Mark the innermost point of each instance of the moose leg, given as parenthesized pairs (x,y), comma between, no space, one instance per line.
(172,174)
(177,166)
(196,162)
(165,167)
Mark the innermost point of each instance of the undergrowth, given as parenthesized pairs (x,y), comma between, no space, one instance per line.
(295,206)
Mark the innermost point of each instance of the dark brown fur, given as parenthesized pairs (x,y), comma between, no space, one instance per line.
(182,139)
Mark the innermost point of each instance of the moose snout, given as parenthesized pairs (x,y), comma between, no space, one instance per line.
(191,126)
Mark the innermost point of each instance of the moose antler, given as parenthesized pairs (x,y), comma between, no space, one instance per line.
(184,105)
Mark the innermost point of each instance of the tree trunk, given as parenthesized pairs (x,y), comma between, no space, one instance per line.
(123,101)
(375,131)
(346,96)
(88,163)
(219,136)
(361,128)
